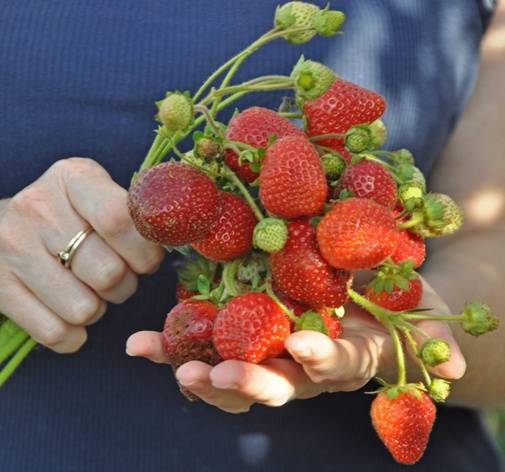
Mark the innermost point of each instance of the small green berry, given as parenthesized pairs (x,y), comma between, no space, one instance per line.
(435,351)
(311,79)
(176,112)
(208,149)
(296,15)
(328,22)
(270,235)
(442,216)
(333,165)
(439,390)
(479,319)
(358,139)
(378,133)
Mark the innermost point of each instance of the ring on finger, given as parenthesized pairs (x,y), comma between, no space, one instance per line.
(65,257)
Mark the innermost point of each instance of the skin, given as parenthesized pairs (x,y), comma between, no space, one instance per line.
(38,222)
(470,265)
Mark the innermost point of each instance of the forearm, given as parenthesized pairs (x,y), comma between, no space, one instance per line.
(471,264)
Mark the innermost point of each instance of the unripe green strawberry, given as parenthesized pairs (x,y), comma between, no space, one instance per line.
(311,79)
(418,176)
(176,111)
(479,319)
(442,216)
(366,137)
(328,22)
(435,351)
(439,390)
(411,195)
(333,165)
(208,149)
(296,15)
(270,235)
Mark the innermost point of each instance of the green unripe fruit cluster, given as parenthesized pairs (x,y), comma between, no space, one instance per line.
(296,15)
(176,112)
(270,235)
(435,351)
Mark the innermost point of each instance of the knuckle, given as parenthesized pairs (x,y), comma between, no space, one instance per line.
(73,165)
(53,334)
(31,201)
(150,263)
(84,310)
(113,219)
(109,274)
(78,338)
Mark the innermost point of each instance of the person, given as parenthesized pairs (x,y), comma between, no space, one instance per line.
(80,79)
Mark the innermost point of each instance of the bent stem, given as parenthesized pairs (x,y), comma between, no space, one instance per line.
(275,298)
(410,339)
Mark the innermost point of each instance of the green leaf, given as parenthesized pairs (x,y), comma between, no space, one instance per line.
(203,284)
(311,321)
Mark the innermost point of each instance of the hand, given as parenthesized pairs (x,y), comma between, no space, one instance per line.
(52,303)
(319,364)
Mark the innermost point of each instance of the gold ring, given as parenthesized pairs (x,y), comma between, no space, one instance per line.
(65,256)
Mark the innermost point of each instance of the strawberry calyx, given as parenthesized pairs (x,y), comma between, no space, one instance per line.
(311,79)
(393,390)
(365,137)
(389,275)
(328,22)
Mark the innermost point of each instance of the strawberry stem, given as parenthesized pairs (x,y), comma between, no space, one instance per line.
(410,339)
(326,136)
(12,344)
(400,355)
(12,365)
(291,115)
(414,316)
(416,219)
(270,292)
(230,175)
(229,274)
(210,119)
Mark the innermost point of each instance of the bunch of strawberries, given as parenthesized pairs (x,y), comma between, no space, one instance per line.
(274,220)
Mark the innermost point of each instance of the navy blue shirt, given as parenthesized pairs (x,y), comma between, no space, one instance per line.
(79,78)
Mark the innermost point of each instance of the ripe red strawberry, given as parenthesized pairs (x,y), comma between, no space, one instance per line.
(231,234)
(398,299)
(187,335)
(182,293)
(368,179)
(173,204)
(357,233)
(404,422)
(251,327)
(342,106)
(331,322)
(292,180)
(300,271)
(410,246)
(255,126)
(296,307)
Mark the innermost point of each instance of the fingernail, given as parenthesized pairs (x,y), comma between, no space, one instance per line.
(301,349)
(225,385)
(129,353)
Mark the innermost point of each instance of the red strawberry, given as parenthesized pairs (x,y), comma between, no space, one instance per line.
(397,299)
(410,246)
(332,323)
(251,327)
(231,234)
(300,272)
(368,179)
(187,335)
(173,204)
(182,293)
(296,307)
(255,126)
(342,106)
(404,422)
(292,180)
(357,233)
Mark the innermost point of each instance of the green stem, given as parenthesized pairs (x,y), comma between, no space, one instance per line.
(229,273)
(326,136)
(270,292)
(266,87)
(413,317)
(422,367)
(210,119)
(416,219)
(289,114)
(240,146)
(400,355)
(7,330)
(11,366)
(380,313)
(12,344)
(230,175)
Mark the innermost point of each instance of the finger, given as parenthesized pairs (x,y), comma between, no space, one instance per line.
(99,267)
(58,289)
(272,383)
(455,367)
(196,377)
(22,307)
(345,364)
(147,344)
(105,208)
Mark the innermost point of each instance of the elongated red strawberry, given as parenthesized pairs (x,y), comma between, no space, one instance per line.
(173,204)
(343,105)
(368,179)
(187,335)
(182,293)
(292,179)
(255,126)
(231,234)
(403,419)
(251,327)
(300,271)
(357,233)
(397,299)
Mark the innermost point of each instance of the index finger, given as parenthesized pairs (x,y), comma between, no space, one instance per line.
(103,203)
